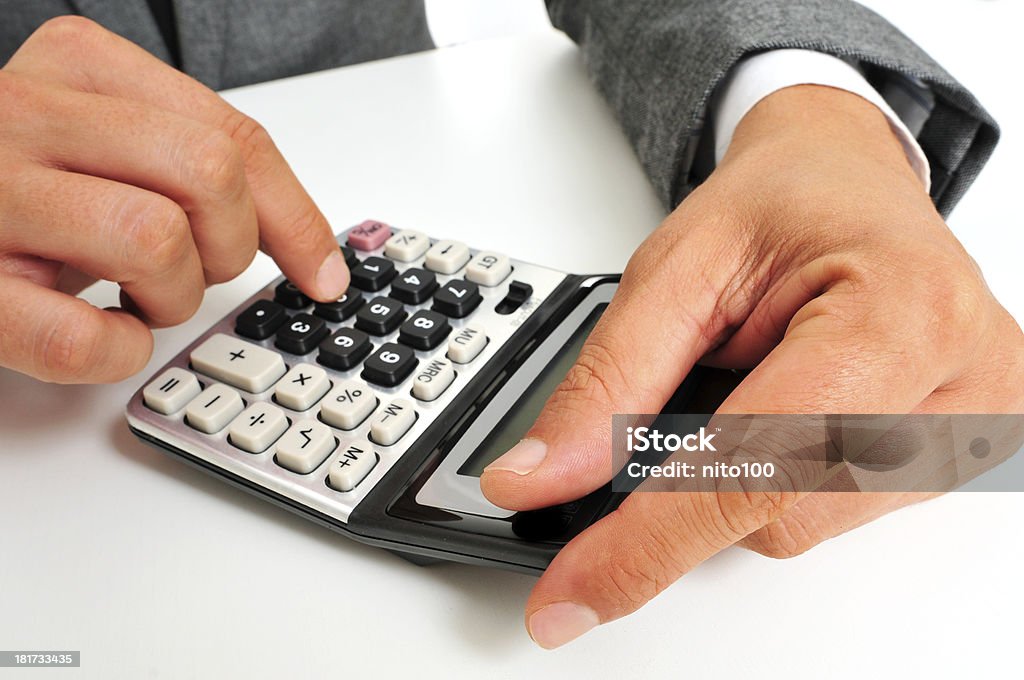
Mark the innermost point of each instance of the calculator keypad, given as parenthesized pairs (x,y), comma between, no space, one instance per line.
(318,400)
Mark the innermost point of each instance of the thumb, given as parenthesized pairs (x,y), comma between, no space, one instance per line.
(667,312)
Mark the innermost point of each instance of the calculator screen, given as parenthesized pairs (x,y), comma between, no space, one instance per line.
(511,428)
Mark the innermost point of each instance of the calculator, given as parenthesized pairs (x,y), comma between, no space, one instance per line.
(374,415)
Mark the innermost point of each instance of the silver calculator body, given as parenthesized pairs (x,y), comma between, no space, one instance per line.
(375,415)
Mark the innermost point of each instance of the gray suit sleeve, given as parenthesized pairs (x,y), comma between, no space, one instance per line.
(658,63)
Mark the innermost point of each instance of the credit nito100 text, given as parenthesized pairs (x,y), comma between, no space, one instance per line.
(642,439)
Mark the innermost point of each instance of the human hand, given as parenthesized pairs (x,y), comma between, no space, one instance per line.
(811,254)
(118,167)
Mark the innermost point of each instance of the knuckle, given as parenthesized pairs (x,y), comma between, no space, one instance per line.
(157,234)
(590,378)
(217,167)
(305,227)
(253,140)
(67,30)
(780,540)
(67,348)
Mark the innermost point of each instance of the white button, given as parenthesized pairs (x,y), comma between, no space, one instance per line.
(238,363)
(351,466)
(406,246)
(447,257)
(302,387)
(304,446)
(390,424)
(348,404)
(257,427)
(466,343)
(214,408)
(488,269)
(171,391)
(434,379)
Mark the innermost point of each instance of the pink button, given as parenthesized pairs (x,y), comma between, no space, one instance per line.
(369,235)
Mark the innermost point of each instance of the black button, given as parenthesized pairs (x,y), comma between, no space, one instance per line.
(373,274)
(260,320)
(380,316)
(350,256)
(341,309)
(457,298)
(518,293)
(425,330)
(414,286)
(301,334)
(289,295)
(343,350)
(389,365)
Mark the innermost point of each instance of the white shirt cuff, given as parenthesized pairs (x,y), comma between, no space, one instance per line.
(756,77)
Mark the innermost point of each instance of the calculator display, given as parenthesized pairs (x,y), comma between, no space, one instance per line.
(511,428)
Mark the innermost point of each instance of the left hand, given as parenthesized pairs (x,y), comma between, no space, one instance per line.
(812,254)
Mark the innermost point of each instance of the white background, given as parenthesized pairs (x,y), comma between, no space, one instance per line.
(155,570)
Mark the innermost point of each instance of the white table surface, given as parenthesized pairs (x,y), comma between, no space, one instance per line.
(153,569)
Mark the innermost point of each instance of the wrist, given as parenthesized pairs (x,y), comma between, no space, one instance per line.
(822,125)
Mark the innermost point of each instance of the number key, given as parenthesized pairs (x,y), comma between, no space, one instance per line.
(340,309)
(457,298)
(301,334)
(390,365)
(380,316)
(425,330)
(289,295)
(343,350)
(414,286)
(373,274)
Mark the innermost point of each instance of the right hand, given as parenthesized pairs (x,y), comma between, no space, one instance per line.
(118,167)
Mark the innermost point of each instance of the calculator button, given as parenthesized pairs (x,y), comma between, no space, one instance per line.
(214,408)
(518,294)
(340,309)
(414,286)
(302,387)
(257,427)
(432,380)
(373,274)
(260,320)
(351,466)
(447,257)
(170,392)
(289,295)
(392,422)
(350,256)
(343,350)
(466,344)
(369,235)
(457,298)
(380,316)
(348,404)
(407,245)
(304,446)
(239,363)
(425,330)
(301,334)
(488,269)
(389,365)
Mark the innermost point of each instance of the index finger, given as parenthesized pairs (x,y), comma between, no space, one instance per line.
(79,53)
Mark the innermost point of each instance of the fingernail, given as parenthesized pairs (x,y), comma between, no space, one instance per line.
(561,622)
(332,277)
(522,459)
